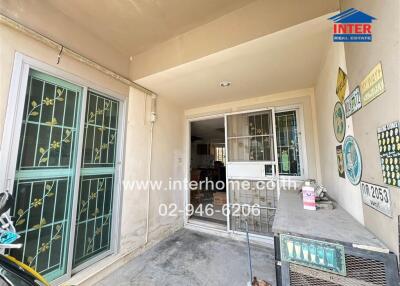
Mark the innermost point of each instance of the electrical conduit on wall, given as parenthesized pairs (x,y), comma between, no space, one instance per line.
(153,117)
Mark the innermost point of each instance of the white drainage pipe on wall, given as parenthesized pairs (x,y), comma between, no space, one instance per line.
(153,118)
(66,51)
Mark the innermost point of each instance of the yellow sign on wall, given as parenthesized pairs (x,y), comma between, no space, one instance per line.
(372,85)
(341,85)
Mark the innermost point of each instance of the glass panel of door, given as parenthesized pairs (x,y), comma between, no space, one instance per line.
(46,172)
(287,134)
(93,221)
(251,144)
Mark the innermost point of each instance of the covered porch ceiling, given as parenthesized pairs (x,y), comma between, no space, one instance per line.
(140,38)
(128,26)
(286,60)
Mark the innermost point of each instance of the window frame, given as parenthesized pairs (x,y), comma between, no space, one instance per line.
(223,151)
(11,134)
(298,109)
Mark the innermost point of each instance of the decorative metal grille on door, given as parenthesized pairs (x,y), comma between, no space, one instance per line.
(251,145)
(243,202)
(44,185)
(44,177)
(97,178)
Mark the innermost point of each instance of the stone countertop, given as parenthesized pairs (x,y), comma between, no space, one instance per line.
(322,224)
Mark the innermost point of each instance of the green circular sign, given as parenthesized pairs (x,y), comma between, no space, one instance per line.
(352,160)
(339,121)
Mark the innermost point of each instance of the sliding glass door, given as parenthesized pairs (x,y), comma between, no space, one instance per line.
(46,175)
(93,220)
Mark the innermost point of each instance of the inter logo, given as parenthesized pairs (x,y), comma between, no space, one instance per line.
(352,26)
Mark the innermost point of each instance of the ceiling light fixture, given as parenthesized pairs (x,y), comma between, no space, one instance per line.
(225,83)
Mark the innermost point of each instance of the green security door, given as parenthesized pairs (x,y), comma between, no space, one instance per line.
(48,184)
(94,216)
(44,177)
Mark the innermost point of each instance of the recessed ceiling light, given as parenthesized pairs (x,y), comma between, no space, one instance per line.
(225,83)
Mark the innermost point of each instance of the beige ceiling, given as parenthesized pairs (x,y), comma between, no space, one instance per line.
(129,26)
(287,60)
(158,34)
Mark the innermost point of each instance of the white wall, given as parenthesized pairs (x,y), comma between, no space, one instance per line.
(166,163)
(340,189)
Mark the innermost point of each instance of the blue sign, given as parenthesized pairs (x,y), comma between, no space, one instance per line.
(352,26)
(352,160)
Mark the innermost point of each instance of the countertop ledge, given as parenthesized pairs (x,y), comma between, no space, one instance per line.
(330,225)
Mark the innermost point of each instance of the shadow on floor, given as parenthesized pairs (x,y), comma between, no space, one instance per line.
(193,258)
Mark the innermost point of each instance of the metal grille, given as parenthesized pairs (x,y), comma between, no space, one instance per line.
(368,270)
(256,205)
(250,137)
(42,221)
(94,217)
(101,126)
(360,271)
(298,279)
(44,174)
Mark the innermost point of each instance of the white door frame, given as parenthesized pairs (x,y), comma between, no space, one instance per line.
(304,165)
(202,226)
(187,167)
(12,130)
(267,239)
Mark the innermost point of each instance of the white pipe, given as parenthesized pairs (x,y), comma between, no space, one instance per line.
(153,118)
(64,50)
(148,180)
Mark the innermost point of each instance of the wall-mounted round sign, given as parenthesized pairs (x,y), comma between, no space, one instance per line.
(352,160)
(339,121)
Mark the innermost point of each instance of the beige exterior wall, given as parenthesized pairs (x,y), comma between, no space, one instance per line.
(347,195)
(45,19)
(167,143)
(12,42)
(166,163)
(361,58)
(298,97)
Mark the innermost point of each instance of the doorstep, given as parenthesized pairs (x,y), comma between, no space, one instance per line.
(199,226)
(99,270)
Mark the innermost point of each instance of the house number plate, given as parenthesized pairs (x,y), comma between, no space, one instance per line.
(376,197)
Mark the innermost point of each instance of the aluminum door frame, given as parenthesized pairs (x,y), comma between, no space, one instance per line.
(275,163)
(12,130)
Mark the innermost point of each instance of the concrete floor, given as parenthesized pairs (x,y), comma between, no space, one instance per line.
(194,258)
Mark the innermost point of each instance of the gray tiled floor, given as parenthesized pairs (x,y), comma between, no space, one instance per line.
(193,258)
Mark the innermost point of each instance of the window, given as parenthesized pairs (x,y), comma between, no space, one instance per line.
(288,143)
(250,137)
(220,154)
